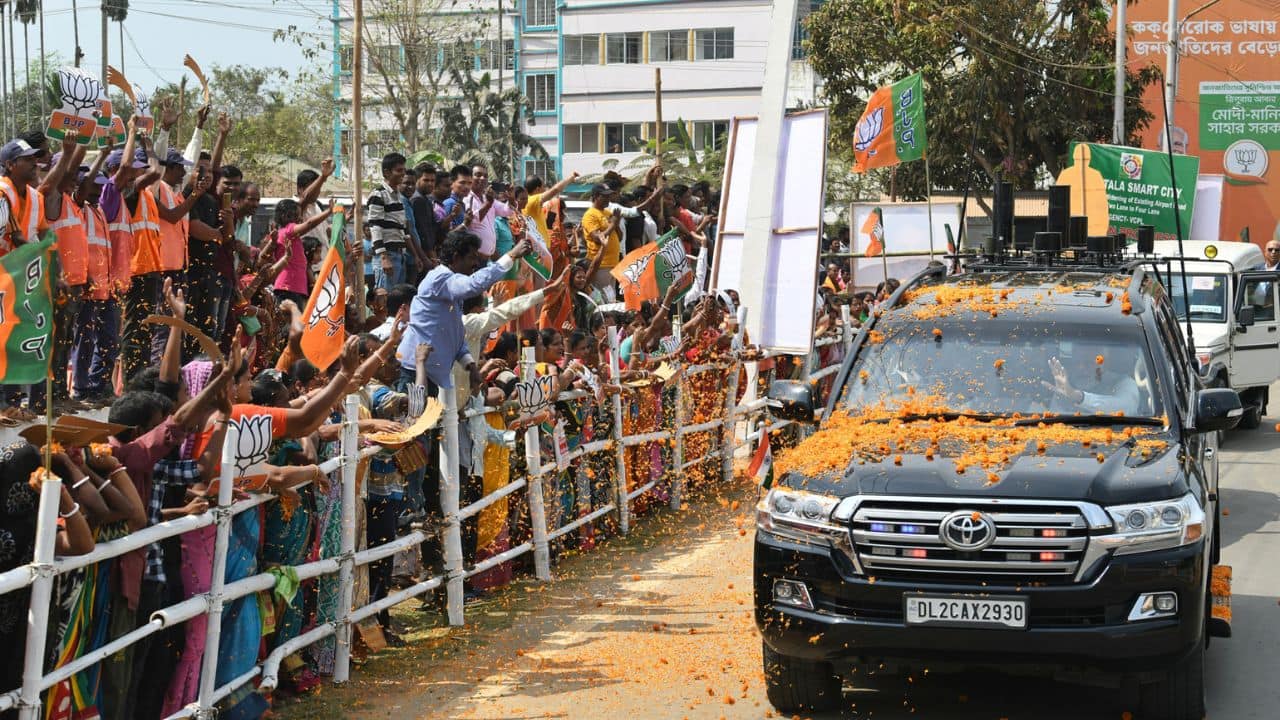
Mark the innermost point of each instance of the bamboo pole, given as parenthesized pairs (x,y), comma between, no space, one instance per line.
(658,132)
(533,466)
(346,572)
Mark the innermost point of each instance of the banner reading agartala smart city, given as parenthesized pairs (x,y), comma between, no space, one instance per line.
(1131,188)
(1228,102)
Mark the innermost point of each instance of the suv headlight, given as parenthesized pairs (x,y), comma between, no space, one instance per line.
(799,516)
(1144,527)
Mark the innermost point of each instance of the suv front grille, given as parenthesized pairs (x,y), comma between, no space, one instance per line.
(1033,544)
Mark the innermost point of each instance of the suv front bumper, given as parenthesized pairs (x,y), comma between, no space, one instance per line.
(860,620)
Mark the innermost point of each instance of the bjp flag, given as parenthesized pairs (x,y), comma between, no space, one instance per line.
(873,228)
(646,272)
(891,129)
(326,313)
(26,312)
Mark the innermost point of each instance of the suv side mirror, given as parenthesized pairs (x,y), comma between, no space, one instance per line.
(1244,316)
(1217,409)
(791,400)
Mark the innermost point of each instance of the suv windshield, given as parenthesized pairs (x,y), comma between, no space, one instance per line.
(1002,367)
(1208,297)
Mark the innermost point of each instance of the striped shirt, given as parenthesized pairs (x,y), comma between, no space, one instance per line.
(386,220)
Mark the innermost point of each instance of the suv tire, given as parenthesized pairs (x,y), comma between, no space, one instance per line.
(795,685)
(1179,695)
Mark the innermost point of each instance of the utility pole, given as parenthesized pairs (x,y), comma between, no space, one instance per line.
(1117,128)
(357,133)
(1171,68)
(75,30)
(104,46)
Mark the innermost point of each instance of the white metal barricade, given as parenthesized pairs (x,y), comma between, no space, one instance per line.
(39,575)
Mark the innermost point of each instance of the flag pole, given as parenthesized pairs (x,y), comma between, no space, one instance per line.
(928,194)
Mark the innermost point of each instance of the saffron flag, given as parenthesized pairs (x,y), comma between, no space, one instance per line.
(891,129)
(873,228)
(762,460)
(26,313)
(646,272)
(326,312)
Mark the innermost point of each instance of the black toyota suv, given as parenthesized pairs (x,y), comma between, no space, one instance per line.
(1093,557)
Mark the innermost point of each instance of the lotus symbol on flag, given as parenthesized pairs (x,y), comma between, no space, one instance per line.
(677,266)
(637,268)
(536,394)
(868,130)
(143,106)
(78,90)
(253,440)
(325,302)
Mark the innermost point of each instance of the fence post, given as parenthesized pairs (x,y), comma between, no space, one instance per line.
(533,466)
(346,570)
(450,489)
(677,420)
(846,328)
(222,539)
(41,590)
(620,466)
(729,426)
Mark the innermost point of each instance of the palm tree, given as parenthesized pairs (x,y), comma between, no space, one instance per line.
(26,10)
(483,125)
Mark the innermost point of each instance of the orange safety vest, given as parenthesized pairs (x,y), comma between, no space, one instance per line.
(98,264)
(173,236)
(120,232)
(26,215)
(72,241)
(145,224)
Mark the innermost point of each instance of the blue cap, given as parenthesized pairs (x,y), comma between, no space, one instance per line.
(173,157)
(15,149)
(117,157)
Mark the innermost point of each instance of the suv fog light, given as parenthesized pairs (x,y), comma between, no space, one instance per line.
(1150,606)
(792,593)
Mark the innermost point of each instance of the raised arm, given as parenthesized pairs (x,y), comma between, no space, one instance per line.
(312,192)
(224,129)
(171,361)
(307,419)
(559,187)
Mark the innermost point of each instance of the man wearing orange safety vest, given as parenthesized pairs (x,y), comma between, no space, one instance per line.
(143,296)
(23,217)
(21,205)
(65,213)
(96,343)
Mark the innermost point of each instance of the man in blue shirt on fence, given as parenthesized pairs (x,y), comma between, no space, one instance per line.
(435,315)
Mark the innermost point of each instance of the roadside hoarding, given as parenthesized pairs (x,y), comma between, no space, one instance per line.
(1137,186)
(1227,108)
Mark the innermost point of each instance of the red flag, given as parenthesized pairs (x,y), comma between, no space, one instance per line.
(762,461)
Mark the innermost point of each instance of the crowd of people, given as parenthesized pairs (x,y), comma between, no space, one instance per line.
(455,277)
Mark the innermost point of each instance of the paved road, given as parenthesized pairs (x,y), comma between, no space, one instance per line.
(666,632)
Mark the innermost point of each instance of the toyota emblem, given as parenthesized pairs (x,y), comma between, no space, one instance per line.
(967,531)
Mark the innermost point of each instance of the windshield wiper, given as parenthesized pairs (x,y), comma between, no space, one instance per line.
(1092,420)
(914,417)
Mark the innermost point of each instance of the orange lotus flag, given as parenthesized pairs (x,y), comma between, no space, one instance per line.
(326,313)
(891,129)
(873,228)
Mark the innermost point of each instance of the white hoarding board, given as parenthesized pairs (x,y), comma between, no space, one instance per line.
(1206,214)
(790,260)
(906,229)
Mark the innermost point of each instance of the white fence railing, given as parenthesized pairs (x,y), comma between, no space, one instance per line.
(39,575)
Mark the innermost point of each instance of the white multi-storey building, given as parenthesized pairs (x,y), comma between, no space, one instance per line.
(587,66)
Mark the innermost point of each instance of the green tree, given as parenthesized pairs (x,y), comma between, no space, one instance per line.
(411,49)
(484,125)
(1030,76)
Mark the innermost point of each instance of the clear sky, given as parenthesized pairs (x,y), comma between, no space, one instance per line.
(158,33)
